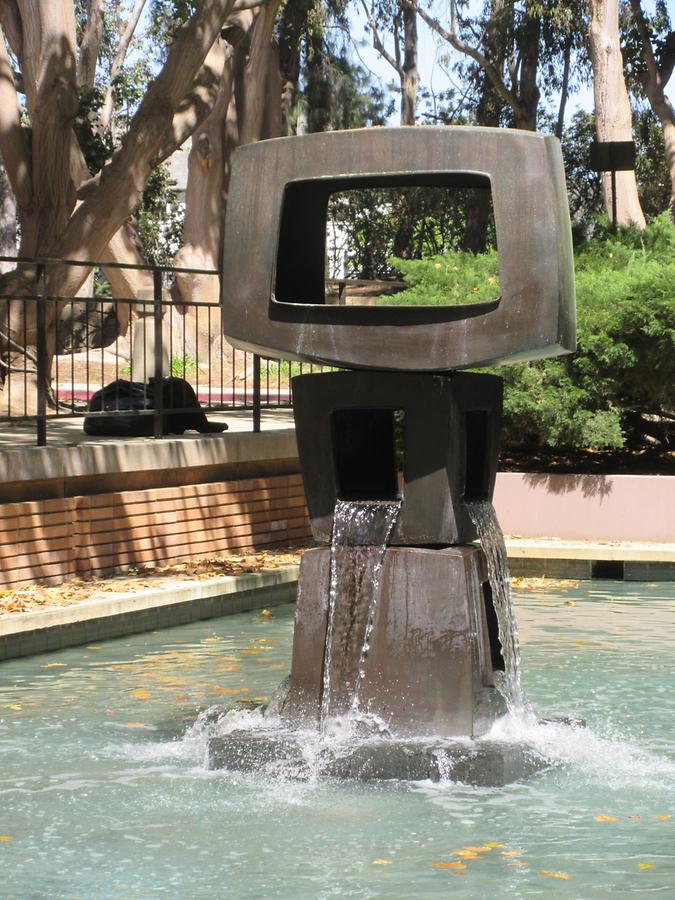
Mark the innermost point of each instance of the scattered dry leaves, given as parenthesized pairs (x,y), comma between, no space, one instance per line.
(34,597)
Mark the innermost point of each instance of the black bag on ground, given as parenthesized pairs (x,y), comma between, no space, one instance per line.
(122,395)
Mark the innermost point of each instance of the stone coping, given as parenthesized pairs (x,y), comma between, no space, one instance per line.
(551,548)
(175,603)
(96,457)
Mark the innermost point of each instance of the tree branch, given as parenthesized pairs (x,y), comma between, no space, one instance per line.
(117,63)
(452,38)
(11,23)
(377,40)
(171,108)
(90,44)
(14,138)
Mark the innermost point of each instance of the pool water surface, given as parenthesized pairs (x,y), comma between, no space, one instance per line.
(104,790)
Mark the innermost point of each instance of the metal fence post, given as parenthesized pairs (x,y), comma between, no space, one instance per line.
(159,373)
(41,348)
(256,393)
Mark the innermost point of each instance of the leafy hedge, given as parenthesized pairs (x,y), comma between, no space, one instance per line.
(619,388)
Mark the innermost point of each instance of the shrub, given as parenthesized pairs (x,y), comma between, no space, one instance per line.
(619,386)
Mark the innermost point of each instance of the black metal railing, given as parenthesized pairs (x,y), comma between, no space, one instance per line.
(58,351)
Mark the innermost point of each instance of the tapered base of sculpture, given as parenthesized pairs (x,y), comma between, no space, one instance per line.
(432,650)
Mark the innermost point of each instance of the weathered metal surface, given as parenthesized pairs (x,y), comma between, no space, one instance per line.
(429,668)
(449,444)
(274,251)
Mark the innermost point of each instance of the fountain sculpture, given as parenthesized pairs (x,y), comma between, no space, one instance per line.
(402,627)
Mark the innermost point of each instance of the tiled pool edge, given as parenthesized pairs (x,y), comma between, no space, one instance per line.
(26,634)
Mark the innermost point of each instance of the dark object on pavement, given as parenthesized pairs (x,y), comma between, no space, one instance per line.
(132,396)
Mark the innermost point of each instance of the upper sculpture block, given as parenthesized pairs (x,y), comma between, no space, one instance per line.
(274,251)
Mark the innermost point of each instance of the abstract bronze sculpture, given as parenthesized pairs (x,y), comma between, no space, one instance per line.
(402,426)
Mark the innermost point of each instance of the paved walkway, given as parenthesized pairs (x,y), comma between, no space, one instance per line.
(68,432)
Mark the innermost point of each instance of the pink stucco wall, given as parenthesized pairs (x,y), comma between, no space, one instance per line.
(587,507)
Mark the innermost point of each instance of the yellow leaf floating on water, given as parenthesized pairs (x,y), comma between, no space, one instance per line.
(662,818)
(267,613)
(453,866)
(467,854)
(607,819)
(494,845)
(484,848)
(5,838)
(382,862)
(211,640)
(512,852)
(135,724)
(16,706)
(646,865)
(517,864)
(53,666)
(142,695)
(563,876)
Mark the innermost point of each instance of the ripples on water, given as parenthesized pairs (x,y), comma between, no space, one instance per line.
(104,790)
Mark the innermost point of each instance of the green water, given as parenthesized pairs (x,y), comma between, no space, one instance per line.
(104,791)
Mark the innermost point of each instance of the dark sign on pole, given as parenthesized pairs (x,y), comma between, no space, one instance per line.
(612,156)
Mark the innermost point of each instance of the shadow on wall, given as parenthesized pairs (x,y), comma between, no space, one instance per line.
(590,485)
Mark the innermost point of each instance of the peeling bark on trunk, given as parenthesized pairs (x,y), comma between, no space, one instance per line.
(612,107)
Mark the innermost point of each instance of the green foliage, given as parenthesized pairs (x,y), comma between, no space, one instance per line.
(96,145)
(449,279)
(160,218)
(620,385)
(383,225)
(183,366)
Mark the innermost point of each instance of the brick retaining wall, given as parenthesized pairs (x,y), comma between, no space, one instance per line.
(51,540)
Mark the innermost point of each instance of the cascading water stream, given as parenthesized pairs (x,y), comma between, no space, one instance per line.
(484,518)
(361,532)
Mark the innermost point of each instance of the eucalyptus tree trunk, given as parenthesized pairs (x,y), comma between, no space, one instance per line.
(63,212)
(613,119)
(654,81)
(7,220)
(409,74)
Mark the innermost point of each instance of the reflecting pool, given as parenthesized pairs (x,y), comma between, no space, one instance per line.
(104,790)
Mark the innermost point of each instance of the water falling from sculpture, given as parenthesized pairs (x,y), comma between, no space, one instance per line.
(360,536)
(402,620)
